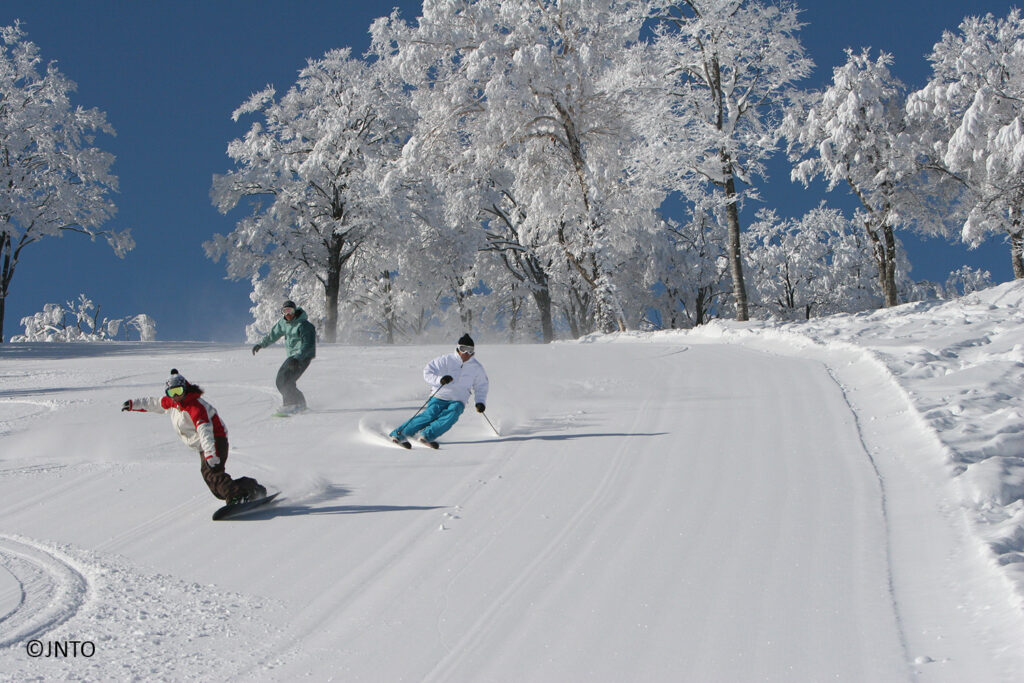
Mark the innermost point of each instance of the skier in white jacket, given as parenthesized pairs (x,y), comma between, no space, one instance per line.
(452,376)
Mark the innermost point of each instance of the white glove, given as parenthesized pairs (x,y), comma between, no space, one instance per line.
(212,460)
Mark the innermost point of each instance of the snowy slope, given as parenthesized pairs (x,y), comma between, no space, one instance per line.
(755,502)
(960,366)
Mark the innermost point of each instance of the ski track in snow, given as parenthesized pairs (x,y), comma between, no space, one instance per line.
(886,517)
(51,590)
(143,626)
(487,623)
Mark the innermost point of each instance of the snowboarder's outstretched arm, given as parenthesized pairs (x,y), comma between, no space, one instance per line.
(144,405)
(276,332)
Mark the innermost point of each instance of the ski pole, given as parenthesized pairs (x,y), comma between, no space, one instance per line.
(492,426)
(420,409)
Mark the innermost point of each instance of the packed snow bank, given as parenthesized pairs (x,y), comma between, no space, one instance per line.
(961,365)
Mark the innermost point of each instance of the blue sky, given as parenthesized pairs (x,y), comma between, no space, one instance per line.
(168,76)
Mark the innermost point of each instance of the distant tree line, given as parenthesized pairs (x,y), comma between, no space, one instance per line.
(505,165)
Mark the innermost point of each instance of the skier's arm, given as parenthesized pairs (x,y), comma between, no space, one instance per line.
(481,385)
(434,372)
(276,332)
(143,405)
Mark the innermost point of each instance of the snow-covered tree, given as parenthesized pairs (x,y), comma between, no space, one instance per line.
(144,325)
(521,121)
(974,107)
(688,271)
(789,263)
(725,69)
(53,180)
(381,306)
(525,266)
(79,321)
(856,133)
(965,280)
(315,159)
(818,264)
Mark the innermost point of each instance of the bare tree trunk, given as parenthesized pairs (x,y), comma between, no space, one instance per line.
(702,304)
(6,272)
(885,259)
(542,297)
(1016,255)
(891,297)
(339,251)
(739,288)
(389,309)
(332,288)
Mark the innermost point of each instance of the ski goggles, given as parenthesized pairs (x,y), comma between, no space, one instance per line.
(175,392)
(288,311)
(465,349)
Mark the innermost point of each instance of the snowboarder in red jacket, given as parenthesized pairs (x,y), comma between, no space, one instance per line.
(201,428)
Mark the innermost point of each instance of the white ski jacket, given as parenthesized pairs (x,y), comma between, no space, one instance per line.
(466,377)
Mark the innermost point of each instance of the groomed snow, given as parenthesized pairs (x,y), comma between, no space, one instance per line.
(836,499)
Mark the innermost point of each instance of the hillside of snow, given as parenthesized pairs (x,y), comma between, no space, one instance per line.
(961,366)
(835,499)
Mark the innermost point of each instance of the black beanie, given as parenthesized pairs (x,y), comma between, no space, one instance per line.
(466,340)
(289,304)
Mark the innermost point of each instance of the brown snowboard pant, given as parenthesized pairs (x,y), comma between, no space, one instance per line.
(220,482)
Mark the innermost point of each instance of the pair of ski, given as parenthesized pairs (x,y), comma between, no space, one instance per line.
(404,443)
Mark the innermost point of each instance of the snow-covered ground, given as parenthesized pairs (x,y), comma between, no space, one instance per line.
(839,499)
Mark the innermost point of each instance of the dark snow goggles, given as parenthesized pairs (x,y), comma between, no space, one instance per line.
(175,392)
(465,349)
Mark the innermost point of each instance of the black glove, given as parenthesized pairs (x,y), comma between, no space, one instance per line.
(446,379)
(126,406)
(255,349)
(480,407)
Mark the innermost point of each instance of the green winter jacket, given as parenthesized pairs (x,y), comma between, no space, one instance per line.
(299,336)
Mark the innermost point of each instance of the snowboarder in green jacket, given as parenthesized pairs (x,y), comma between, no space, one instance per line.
(300,344)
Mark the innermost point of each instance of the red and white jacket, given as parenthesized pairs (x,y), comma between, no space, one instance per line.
(195,420)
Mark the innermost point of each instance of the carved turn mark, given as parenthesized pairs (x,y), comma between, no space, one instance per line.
(51,590)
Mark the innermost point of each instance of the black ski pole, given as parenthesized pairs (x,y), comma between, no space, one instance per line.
(425,403)
(492,426)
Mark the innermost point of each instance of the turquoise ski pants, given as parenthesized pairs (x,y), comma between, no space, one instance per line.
(436,419)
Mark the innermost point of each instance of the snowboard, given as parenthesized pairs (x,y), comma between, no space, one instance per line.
(289,413)
(238,508)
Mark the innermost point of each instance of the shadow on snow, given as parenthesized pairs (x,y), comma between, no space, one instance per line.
(284,510)
(557,437)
